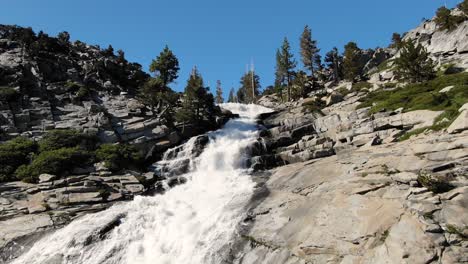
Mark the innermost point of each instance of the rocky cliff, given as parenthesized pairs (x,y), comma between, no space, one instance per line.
(357,183)
(49,83)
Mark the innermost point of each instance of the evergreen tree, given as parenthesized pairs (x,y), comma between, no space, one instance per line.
(198,102)
(109,51)
(414,63)
(64,37)
(165,66)
(121,56)
(463,6)
(445,20)
(280,82)
(396,40)
(156,92)
(160,98)
(240,96)
(219,93)
(309,51)
(351,67)
(334,64)
(250,86)
(300,85)
(285,65)
(231,98)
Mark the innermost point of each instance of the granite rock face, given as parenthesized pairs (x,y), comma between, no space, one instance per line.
(345,191)
(444,46)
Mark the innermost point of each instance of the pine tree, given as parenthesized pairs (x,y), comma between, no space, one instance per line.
(445,20)
(414,63)
(156,92)
(198,102)
(231,98)
(285,65)
(219,93)
(334,64)
(309,50)
(121,56)
(280,81)
(300,85)
(165,66)
(396,40)
(64,37)
(249,90)
(463,6)
(351,67)
(109,51)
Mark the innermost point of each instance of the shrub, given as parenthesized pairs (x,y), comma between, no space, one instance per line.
(359,86)
(8,94)
(81,91)
(386,65)
(314,106)
(119,156)
(57,139)
(389,85)
(414,63)
(13,154)
(433,183)
(56,162)
(421,95)
(463,6)
(445,20)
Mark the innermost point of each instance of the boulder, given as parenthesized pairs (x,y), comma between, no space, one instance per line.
(446,89)
(46,177)
(461,123)
(333,98)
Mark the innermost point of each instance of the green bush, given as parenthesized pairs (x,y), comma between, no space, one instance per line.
(389,85)
(314,106)
(463,6)
(8,94)
(421,95)
(119,156)
(56,162)
(13,154)
(446,21)
(57,139)
(81,91)
(360,86)
(433,183)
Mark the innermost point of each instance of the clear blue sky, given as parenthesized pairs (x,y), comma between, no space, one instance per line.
(219,36)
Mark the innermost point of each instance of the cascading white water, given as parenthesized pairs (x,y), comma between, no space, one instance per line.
(191,223)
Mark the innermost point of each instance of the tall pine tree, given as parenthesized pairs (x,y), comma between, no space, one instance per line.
(232,96)
(334,62)
(351,67)
(198,102)
(219,93)
(156,92)
(285,64)
(165,66)
(309,51)
(250,87)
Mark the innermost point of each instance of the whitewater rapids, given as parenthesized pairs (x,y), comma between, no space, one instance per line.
(191,223)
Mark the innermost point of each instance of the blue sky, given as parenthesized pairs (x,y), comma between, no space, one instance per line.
(219,37)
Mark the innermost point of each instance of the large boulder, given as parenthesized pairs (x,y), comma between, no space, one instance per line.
(461,123)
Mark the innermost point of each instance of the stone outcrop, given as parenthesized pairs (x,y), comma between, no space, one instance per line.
(346,191)
(297,135)
(444,46)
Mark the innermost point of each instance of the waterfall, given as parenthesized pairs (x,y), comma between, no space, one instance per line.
(191,223)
